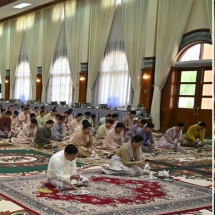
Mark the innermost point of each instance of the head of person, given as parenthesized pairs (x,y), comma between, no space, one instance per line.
(57,116)
(109,123)
(33,123)
(36,109)
(136,141)
(70,110)
(85,121)
(10,107)
(49,124)
(3,111)
(119,127)
(61,119)
(93,116)
(32,116)
(67,113)
(79,117)
(108,116)
(70,152)
(28,106)
(8,113)
(115,116)
(142,122)
(87,128)
(15,107)
(42,113)
(26,111)
(22,107)
(42,108)
(87,115)
(15,114)
(149,127)
(132,114)
(179,126)
(53,112)
(201,125)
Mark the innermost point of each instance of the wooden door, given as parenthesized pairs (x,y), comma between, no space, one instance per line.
(194,97)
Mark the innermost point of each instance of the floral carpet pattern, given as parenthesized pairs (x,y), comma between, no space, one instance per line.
(108,195)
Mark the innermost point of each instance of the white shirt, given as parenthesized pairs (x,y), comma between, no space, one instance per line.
(60,168)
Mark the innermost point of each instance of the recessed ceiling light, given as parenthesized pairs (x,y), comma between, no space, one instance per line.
(22,5)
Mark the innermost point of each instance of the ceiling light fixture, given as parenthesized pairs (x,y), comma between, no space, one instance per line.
(22,5)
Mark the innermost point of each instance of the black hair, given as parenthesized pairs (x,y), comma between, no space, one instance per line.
(8,112)
(180,124)
(54,110)
(133,112)
(114,115)
(32,115)
(70,110)
(93,116)
(203,124)
(22,106)
(110,121)
(67,112)
(71,149)
(108,115)
(85,121)
(16,112)
(2,110)
(86,125)
(57,115)
(49,122)
(42,111)
(61,117)
(79,114)
(149,125)
(87,113)
(143,121)
(42,107)
(34,121)
(26,108)
(119,125)
(137,138)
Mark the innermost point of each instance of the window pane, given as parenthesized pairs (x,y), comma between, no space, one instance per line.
(208,76)
(187,89)
(193,53)
(207,90)
(188,76)
(207,51)
(186,102)
(206,103)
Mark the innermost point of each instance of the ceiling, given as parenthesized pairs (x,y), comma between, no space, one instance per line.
(7,10)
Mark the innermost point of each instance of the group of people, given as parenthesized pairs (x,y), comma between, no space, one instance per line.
(127,139)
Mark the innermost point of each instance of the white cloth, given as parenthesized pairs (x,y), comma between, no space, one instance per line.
(60,168)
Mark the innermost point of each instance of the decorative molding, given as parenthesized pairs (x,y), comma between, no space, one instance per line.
(39,70)
(84,67)
(197,36)
(148,62)
(7,73)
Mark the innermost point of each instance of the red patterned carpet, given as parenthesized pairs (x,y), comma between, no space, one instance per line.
(108,195)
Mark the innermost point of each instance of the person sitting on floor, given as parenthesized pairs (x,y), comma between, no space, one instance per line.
(28,132)
(128,121)
(195,135)
(104,119)
(5,124)
(148,140)
(172,137)
(127,160)
(75,122)
(41,119)
(58,130)
(115,137)
(79,127)
(36,111)
(87,116)
(24,118)
(115,118)
(83,140)
(43,136)
(14,123)
(67,120)
(51,115)
(102,131)
(3,111)
(135,129)
(62,168)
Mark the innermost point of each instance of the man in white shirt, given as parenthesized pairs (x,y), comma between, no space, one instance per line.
(62,168)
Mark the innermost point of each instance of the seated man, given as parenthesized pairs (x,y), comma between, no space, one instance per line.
(43,136)
(128,121)
(14,123)
(104,119)
(5,124)
(62,168)
(115,137)
(24,117)
(51,115)
(195,135)
(102,131)
(58,130)
(127,160)
(87,116)
(28,132)
(75,123)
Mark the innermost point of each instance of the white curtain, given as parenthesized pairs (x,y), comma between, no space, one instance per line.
(53,17)
(134,19)
(113,85)
(59,84)
(17,30)
(209,6)
(171,22)
(23,86)
(32,50)
(74,23)
(101,16)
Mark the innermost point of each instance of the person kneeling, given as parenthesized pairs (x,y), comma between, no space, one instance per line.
(127,160)
(62,168)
